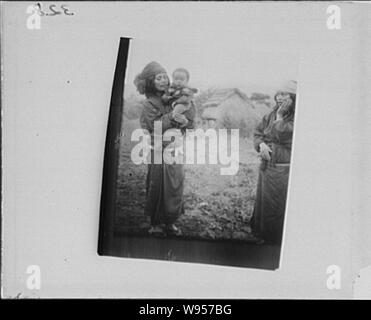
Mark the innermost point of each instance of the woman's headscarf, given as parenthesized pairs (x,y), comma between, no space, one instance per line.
(288,86)
(149,72)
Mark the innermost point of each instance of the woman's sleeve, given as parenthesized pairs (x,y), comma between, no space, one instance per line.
(282,130)
(189,125)
(192,114)
(150,114)
(259,134)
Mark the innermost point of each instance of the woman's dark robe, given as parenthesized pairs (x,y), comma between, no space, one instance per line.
(270,202)
(165,182)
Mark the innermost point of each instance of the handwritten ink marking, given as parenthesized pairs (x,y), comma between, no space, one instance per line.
(36,11)
(54,12)
(66,10)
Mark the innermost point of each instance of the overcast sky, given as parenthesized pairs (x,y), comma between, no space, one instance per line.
(233,64)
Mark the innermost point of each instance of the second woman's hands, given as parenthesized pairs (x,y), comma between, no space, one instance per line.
(284,108)
(265,151)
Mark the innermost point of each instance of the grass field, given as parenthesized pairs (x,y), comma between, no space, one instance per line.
(217,207)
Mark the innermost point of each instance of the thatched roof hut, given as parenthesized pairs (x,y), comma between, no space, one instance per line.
(221,95)
(210,113)
(231,108)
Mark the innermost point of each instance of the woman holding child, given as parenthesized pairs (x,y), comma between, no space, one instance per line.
(165,182)
(273,141)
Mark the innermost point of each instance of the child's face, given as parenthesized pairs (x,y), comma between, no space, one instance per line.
(180,79)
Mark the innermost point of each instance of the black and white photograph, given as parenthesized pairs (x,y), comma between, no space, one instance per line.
(204,153)
(185,150)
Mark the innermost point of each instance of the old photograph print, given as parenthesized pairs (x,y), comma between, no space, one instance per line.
(202,153)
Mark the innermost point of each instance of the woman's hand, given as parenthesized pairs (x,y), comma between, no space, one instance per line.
(265,151)
(180,118)
(284,108)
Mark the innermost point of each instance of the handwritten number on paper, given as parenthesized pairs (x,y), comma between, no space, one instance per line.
(51,8)
(66,10)
(39,10)
(36,11)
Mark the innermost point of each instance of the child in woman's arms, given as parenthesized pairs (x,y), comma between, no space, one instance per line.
(180,95)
